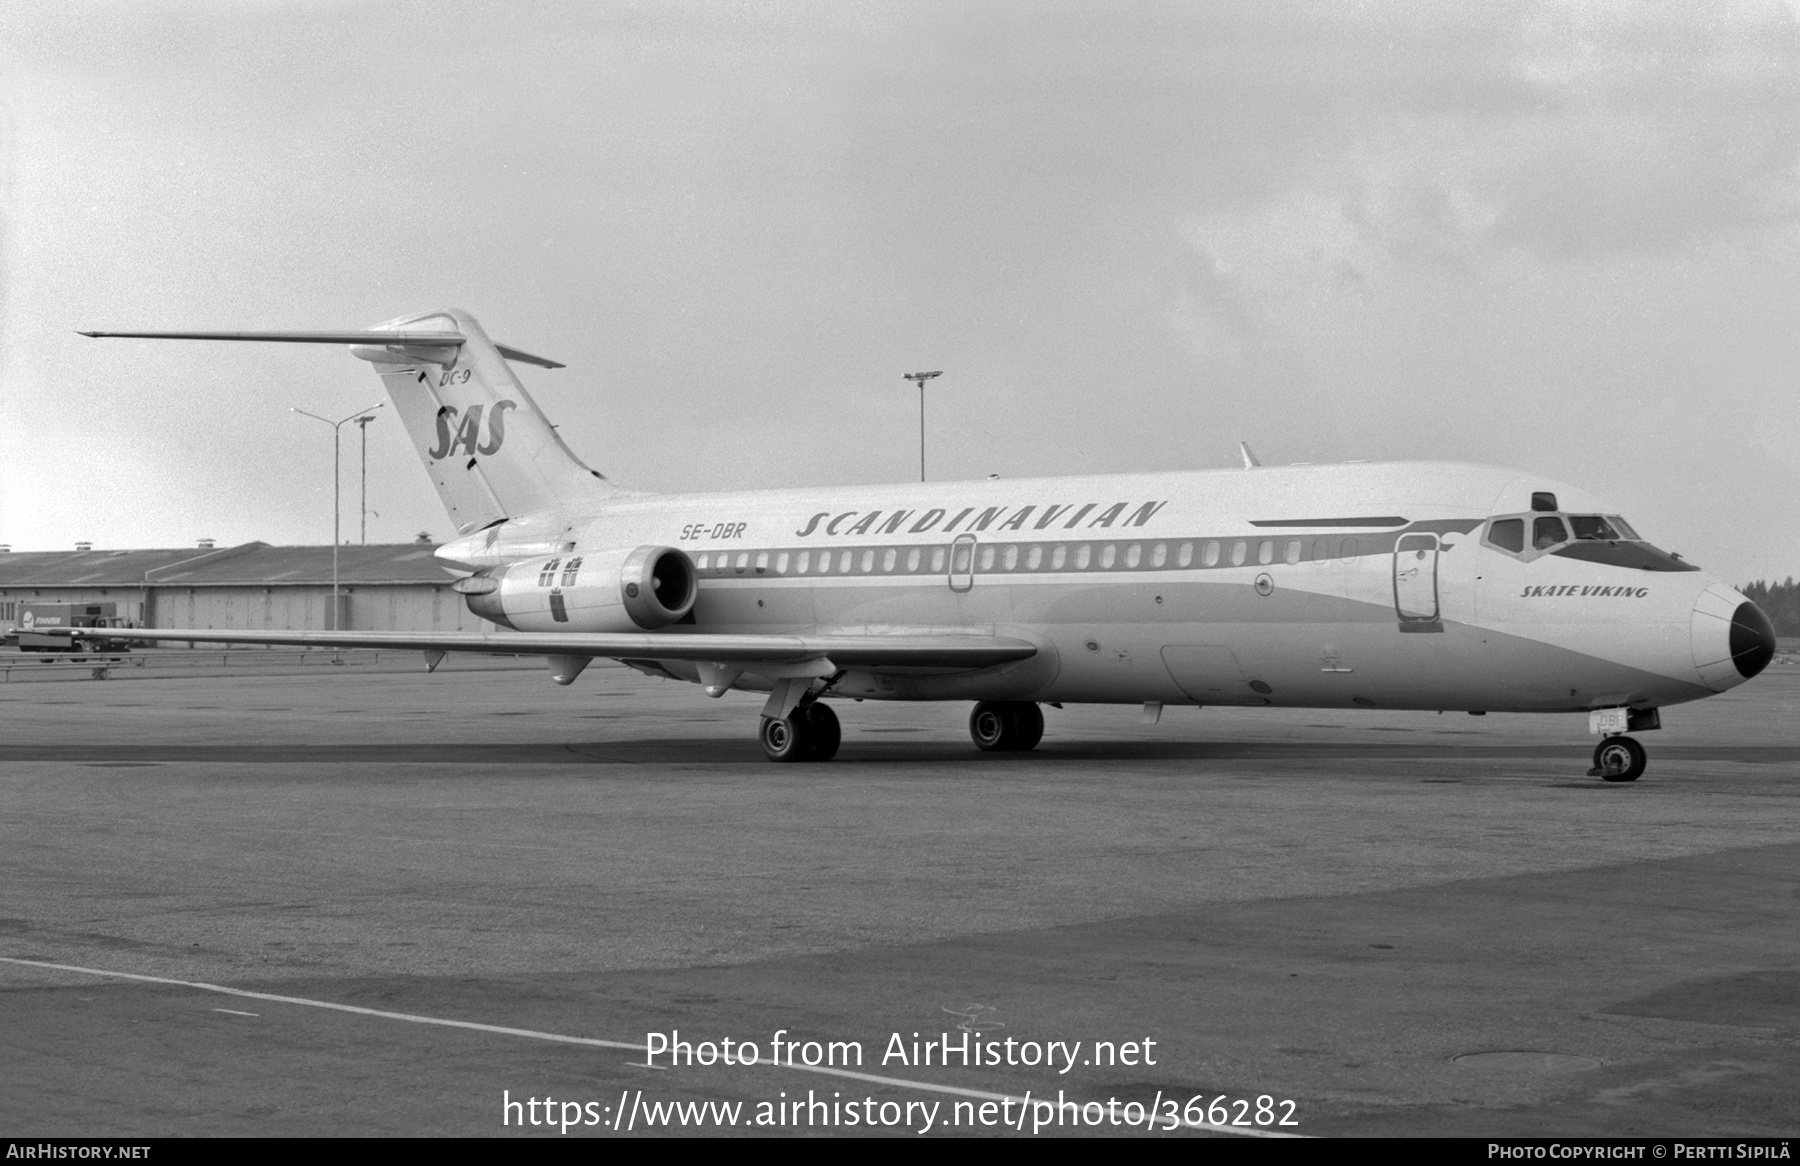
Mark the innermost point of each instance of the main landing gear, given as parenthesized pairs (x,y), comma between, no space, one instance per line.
(1618,759)
(1006,726)
(809,733)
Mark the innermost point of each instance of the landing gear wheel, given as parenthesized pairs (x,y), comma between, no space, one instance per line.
(991,726)
(823,732)
(809,733)
(1005,726)
(1028,719)
(785,738)
(1618,759)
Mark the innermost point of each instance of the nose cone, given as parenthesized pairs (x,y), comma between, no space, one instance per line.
(1733,640)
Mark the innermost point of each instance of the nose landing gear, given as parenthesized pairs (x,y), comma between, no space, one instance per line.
(1618,759)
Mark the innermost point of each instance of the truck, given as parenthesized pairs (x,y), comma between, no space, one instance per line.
(36,618)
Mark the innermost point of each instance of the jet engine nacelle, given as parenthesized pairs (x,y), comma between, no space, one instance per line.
(615,590)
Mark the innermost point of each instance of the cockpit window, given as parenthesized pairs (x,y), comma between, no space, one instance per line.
(1507,534)
(1592,526)
(1590,538)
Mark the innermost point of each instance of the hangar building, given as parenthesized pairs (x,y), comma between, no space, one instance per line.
(253,586)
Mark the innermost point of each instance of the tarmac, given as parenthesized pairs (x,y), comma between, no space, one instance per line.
(366,901)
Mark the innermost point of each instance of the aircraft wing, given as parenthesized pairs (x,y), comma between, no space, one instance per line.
(954,651)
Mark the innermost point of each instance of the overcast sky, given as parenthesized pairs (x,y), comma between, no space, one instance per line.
(1559,237)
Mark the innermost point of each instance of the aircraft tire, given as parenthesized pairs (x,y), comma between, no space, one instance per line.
(823,732)
(786,738)
(991,725)
(1006,726)
(1619,759)
(1028,723)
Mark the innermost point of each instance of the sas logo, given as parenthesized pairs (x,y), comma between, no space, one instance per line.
(464,436)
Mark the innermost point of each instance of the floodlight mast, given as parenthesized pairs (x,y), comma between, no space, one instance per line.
(921,378)
(336,482)
(362,423)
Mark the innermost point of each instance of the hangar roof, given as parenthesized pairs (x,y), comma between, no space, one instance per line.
(251,564)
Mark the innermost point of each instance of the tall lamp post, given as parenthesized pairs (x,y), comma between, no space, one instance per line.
(362,423)
(921,378)
(336,509)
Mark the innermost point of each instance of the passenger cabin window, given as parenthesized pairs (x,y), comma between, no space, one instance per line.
(1508,534)
(1547,532)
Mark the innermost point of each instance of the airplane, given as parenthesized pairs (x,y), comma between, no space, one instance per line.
(1400,585)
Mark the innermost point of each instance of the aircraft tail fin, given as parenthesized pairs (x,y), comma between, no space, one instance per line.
(490,451)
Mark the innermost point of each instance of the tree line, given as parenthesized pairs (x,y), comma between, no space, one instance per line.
(1779,601)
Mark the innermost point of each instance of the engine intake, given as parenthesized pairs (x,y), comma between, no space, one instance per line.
(658,586)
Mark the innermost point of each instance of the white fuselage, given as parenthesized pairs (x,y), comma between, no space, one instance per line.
(1361,585)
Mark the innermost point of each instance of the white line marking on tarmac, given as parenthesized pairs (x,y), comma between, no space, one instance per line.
(591,1042)
(235,1012)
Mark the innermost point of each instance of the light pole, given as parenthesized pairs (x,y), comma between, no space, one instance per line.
(362,423)
(921,378)
(336,509)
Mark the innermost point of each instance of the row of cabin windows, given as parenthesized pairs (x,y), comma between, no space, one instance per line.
(1020,556)
(1551,530)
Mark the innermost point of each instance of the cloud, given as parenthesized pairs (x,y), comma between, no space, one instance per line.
(1575,131)
(1616,128)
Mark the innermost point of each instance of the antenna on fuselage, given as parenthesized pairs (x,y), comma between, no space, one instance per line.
(1250,462)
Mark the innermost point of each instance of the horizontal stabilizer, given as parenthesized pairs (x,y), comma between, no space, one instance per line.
(434,339)
(360,336)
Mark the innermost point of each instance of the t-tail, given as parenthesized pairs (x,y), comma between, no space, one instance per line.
(489,449)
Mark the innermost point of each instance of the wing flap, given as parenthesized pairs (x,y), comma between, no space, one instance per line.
(845,651)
